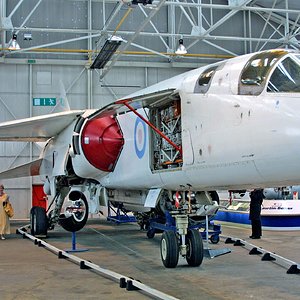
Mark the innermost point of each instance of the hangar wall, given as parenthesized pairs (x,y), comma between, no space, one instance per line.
(21,82)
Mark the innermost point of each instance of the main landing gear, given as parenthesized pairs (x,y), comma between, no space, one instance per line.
(72,216)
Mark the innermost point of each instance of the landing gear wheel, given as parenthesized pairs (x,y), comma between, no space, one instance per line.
(214,239)
(194,245)
(38,221)
(151,233)
(75,213)
(169,249)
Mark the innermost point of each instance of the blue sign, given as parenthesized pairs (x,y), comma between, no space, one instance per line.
(44,101)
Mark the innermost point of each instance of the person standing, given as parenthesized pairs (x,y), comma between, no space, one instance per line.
(256,200)
(4,219)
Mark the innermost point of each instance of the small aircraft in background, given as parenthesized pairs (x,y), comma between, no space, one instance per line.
(164,151)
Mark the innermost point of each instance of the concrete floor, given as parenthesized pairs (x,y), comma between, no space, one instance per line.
(31,272)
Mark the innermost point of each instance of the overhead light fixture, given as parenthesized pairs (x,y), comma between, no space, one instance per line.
(13,45)
(27,36)
(181,49)
(109,48)
(144,2)
(136,2)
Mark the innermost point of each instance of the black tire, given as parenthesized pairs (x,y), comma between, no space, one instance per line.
(38,221)
(77,220)
(214,238)
(194,245)
(169,249)
(151,233)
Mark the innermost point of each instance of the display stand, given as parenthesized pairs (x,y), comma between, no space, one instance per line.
(74,249)
(120,214)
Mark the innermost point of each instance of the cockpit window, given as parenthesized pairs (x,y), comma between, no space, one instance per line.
(253,76)
(285,78)
(204,80)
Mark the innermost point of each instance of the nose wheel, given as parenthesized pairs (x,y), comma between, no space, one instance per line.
(192,249)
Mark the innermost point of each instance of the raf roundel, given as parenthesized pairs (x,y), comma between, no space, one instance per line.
(140,137)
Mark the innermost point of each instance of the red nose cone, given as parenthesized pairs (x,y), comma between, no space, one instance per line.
(102,142)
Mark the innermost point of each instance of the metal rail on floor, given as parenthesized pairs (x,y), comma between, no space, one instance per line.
(291,266)
(125,282)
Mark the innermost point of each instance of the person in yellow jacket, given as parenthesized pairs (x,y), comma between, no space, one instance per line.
(4,219)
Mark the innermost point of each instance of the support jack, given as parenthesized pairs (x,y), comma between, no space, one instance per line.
(74,249)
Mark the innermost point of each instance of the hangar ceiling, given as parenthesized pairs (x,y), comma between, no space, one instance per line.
(73,31)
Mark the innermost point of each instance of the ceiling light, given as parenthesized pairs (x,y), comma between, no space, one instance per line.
(181,49)
(136,2)
(13,45)
(28,36)
(109,48)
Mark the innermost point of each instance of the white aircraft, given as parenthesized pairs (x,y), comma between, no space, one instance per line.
(164,151)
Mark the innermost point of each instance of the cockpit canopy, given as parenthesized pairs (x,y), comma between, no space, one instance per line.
(284,79)
(286,76)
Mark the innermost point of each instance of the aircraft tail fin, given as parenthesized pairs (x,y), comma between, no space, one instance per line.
(62,103)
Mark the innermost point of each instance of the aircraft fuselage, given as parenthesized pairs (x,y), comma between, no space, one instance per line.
(229,140)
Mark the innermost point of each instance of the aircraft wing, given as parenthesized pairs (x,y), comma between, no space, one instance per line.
(37,129)
(41,128)
(28,169)
(136,102)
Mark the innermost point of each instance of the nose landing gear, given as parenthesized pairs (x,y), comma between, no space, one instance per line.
(180,239)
